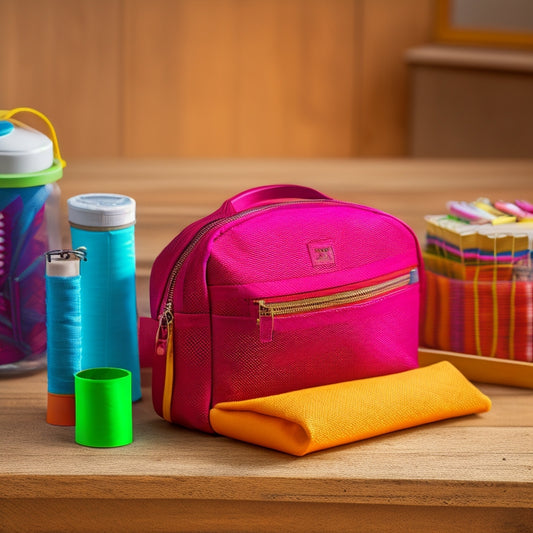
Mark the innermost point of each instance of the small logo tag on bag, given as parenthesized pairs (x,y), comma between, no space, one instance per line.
(321,253)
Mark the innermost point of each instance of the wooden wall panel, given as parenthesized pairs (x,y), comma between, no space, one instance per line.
(62,57)
(296,77)
(178,77)
(214,78)
(240,77)
(390,28)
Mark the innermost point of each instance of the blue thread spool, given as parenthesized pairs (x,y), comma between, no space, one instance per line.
(104,225)
(63,324)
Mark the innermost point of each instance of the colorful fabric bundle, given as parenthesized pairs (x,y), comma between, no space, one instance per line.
(479,284)
(489,318)
(463,248)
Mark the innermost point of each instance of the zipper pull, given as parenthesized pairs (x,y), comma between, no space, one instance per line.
(265,321)
(164,331)
(164,346)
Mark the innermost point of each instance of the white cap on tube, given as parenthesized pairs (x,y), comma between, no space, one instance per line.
(101,210)
(57,266)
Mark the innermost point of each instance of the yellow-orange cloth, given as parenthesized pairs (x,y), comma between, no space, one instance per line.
(308,420)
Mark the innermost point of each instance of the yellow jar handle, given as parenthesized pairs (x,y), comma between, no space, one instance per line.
(6,115)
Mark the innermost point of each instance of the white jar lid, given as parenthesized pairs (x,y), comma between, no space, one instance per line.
(101,210)
(23,150)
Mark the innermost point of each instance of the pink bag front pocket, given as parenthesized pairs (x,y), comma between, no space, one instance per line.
(297,341)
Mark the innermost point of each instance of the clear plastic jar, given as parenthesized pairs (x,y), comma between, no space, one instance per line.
(30,166)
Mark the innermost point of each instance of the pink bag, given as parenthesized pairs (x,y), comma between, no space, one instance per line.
(280,289)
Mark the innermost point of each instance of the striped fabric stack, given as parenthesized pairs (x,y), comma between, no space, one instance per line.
(479,286)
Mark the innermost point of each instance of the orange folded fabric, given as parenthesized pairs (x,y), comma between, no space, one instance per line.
(313,419)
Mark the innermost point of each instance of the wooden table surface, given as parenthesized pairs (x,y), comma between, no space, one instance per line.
(469,474)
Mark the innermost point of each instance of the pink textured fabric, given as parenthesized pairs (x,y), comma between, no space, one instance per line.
(256,248)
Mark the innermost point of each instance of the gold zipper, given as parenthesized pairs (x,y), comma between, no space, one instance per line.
(165,347)
(270,309)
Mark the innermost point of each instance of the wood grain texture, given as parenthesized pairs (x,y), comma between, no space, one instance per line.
(451,106)
(168,515)
(390,28)
(239,78)
(63,58)
(474,461)
(214,78)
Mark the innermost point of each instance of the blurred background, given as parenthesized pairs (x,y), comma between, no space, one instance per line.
(274,78)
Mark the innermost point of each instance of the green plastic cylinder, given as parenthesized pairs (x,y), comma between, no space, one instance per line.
(103,407)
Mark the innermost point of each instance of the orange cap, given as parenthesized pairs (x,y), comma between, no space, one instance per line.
(61,409)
